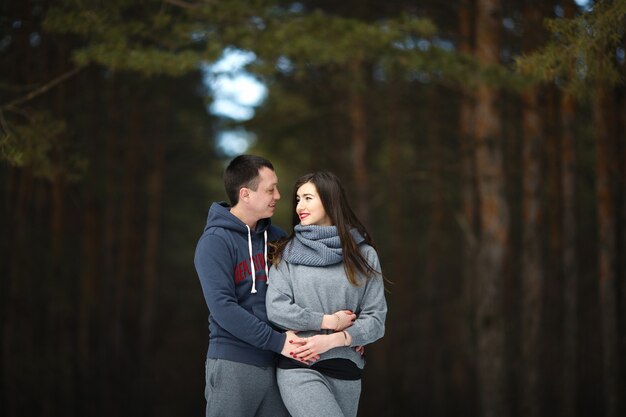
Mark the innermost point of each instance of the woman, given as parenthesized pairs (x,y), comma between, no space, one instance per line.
(326,283)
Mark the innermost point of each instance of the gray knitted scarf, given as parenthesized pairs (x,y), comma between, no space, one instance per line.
(316,246)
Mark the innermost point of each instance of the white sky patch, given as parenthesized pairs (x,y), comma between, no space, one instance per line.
(230,109)
(243,89)
(235,92)
(584,4)
(232,60)
(234,142)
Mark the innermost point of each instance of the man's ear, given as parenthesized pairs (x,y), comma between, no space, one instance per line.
(244,193)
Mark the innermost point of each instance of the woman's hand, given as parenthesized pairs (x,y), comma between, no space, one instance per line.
(312,347)
(292,343)
(338,321)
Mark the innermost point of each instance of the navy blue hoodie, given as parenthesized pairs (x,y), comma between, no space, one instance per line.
(238,326)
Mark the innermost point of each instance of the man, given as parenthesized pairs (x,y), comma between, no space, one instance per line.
(231,261)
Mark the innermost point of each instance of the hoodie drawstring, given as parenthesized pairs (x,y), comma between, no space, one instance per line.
(267,272)
(252,259)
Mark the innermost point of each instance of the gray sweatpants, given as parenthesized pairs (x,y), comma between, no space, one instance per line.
(236,389)
(308,393)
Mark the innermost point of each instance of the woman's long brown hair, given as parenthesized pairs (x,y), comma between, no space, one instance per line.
(336,205)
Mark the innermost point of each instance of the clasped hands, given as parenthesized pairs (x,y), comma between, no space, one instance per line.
(309,349)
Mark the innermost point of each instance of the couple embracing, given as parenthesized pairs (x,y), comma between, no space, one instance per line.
(288,315)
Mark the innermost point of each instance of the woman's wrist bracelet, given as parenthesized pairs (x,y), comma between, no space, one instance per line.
(338,321)
(345,336)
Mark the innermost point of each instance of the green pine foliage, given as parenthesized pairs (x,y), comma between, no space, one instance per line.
(144,37)
(583,50)
(42,145)
(153,37)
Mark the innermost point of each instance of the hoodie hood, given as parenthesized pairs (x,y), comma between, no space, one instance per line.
(220,216)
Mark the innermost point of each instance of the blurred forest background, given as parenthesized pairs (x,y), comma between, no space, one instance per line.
(482,141)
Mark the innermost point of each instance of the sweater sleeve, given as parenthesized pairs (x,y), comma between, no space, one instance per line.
(370,323)
(281,307)
(215,269)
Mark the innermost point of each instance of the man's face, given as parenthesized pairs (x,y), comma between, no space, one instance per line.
(262,202)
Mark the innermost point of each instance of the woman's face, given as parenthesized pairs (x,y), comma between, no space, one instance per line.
(310,209)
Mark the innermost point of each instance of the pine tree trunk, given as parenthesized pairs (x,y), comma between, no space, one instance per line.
(91,272)
(620,120)
(532,270)
(553,287)
(433,280)
(21,311)
(469,203)
(150,268)
(532,266)
(155,191)
(57,221)
(130,266)
(570,264)
(14,324)
(494,223)
(88,302)
(569,385)
(106,314)
(603,119)
(387,367)
(356,114)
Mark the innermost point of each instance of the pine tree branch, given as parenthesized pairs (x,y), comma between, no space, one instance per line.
(41,90)
(4,126)
(183,4)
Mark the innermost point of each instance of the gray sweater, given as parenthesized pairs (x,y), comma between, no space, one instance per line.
(310,281)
